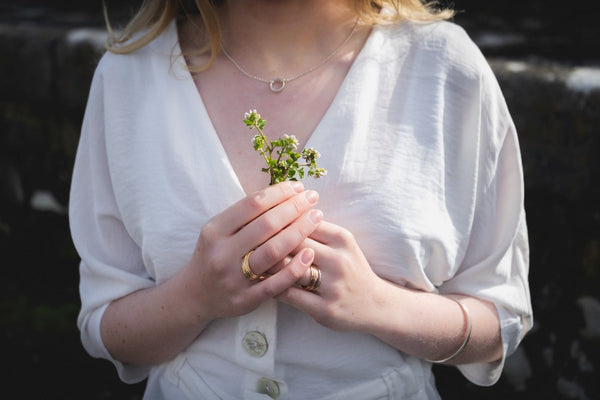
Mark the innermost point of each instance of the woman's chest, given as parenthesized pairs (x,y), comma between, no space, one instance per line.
(407,220)
(297,110)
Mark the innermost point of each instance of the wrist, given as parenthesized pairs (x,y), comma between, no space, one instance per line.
(185,295)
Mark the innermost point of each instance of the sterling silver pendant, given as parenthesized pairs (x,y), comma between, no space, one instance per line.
(276,85)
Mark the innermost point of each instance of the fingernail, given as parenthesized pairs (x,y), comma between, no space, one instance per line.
(312,196)
(307,256)
(315,216)
(297,186)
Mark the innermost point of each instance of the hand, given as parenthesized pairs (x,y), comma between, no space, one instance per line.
(273,222)
(345,300)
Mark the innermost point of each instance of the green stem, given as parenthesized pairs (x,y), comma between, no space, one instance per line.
(269,149)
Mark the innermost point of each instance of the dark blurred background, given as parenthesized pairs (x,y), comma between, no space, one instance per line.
(547,59)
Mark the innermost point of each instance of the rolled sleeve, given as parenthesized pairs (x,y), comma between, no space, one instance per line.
(111,263)
(512,303)
(495,265)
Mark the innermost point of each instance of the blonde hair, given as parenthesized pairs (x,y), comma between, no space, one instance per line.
(155,15)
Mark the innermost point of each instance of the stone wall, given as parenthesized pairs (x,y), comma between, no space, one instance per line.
(46,72)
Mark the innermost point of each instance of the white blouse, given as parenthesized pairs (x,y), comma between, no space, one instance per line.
(423,168)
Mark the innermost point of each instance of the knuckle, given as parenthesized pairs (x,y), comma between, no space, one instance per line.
(260,200)
(345,236)
(255,200)
(268,225)
(305,229)
(245,302)
(208,233)
(285,188)
(237,303)
(296,273)
(299,204)
(269,253)
(270,290)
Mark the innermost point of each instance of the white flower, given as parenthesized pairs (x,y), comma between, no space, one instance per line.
(312,152)
(292,139)
(250,113)
(319,172)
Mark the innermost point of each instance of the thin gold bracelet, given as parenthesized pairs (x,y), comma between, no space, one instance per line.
(464,344)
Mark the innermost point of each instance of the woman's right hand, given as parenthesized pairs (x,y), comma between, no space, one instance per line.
(272,222)
(153,325)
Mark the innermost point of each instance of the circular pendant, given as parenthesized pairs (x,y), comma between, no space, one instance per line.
(277,85)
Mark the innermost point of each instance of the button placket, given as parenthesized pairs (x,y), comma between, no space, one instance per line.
(256,342)
(256,338)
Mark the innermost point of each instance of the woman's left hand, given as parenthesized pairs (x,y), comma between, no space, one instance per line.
(352,297)
(346,298)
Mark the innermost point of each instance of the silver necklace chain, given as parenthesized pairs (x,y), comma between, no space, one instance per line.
(278,84)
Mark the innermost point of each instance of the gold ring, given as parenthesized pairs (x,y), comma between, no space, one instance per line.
(246,270)
(315,279)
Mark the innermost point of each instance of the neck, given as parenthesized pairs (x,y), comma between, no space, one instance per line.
(283,37)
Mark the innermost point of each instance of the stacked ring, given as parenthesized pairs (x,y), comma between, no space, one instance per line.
(246,270)
(315,279)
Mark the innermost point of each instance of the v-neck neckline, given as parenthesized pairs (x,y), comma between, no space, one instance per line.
(313,140)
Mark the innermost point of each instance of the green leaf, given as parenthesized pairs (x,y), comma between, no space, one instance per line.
(285,166)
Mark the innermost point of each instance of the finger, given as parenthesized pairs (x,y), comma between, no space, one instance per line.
(279,246)
(322,251)
(304,280)
(253,205)
(281,264)
(283,279)
(328,233)
(303,300)
(276,219)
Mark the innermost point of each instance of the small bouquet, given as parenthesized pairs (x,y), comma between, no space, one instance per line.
(283,162)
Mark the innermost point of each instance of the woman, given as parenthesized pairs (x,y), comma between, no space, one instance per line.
(199,276)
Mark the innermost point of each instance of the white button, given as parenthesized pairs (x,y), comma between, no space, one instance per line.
(268,387)
(255,344)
